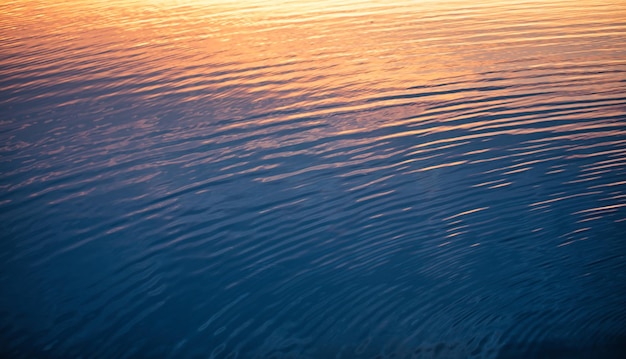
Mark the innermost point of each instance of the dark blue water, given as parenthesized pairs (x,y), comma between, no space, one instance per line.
(298,180)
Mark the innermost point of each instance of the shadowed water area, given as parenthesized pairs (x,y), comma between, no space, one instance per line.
(330,179)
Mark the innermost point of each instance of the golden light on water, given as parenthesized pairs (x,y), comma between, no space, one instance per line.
(352,50)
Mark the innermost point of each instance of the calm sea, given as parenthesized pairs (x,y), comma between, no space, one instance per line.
(312,179)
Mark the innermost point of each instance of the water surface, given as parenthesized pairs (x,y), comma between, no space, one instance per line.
(349,179)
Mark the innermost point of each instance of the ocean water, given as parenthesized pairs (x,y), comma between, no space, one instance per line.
(298,179)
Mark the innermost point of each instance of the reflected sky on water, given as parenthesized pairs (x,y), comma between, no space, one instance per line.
(355,179)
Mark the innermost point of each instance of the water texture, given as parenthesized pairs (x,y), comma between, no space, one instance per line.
(329,179)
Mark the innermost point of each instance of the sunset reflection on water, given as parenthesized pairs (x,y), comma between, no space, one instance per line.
(312,179)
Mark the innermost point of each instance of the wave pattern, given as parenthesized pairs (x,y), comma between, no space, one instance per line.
(429,180)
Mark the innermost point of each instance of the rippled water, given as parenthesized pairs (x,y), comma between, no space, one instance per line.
(350,179)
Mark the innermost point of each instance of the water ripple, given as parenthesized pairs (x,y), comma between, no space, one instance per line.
(354,179)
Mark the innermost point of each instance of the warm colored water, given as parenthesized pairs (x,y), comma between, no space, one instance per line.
(312,179)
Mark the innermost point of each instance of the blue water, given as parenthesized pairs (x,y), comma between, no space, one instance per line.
(297,180)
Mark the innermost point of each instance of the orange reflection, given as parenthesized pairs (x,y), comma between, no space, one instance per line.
(313,54)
